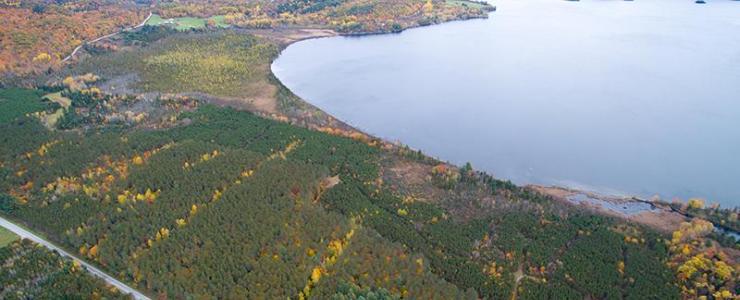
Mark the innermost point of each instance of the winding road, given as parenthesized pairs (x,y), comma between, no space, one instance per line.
(105,37)
(23,233)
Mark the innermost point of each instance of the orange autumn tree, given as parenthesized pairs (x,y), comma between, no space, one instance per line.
(34,40)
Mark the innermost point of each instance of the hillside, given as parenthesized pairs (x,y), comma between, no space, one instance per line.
(38,35)
(175,161)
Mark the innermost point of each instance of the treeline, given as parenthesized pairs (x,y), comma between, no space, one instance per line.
(349,16)
(723,217)
(304,6)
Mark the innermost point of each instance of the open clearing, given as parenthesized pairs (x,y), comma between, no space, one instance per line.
(186,23)
(50,119)
(15,102)
(58,98)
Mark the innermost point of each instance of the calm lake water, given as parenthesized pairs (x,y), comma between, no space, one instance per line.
(638,98)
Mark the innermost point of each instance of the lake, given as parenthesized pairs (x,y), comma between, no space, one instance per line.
(627,98)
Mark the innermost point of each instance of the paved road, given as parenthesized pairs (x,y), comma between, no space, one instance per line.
(23,233)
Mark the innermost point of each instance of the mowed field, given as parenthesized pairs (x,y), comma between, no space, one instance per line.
(186,23)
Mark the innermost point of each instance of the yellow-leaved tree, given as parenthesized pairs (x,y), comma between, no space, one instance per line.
(428,7)
(696,203)
(42,58)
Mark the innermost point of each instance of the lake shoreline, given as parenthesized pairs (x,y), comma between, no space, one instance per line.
(292,34)
(655,219)
(654,214)
(659,215)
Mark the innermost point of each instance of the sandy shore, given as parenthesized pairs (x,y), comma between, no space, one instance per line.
(654,214)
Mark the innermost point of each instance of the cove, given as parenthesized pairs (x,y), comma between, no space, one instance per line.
(617,97)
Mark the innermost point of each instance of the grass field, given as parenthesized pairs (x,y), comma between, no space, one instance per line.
(16,102)
(6,237)
(186,23)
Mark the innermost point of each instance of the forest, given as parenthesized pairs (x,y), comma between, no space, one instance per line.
(723,217)
(174,160)
(33,272)
(38,35)
(233,205)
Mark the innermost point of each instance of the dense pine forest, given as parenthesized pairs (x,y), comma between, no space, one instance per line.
(231,205)
(175,161)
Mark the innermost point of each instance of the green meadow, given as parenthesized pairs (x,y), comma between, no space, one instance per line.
(186,23)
